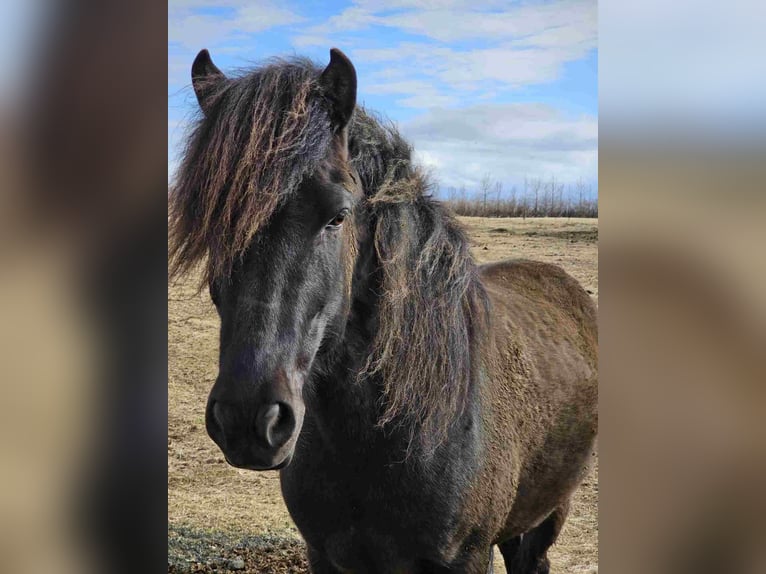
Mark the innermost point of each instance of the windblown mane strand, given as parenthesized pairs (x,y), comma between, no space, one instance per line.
(433,308)
(263,132)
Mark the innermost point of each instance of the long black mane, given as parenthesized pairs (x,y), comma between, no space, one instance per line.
(432,309)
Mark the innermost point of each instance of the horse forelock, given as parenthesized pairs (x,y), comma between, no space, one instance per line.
(262,134)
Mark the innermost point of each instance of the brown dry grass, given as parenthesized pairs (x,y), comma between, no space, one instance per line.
(204,492)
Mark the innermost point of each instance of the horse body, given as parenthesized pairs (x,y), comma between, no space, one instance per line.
(510,460)
(421,408)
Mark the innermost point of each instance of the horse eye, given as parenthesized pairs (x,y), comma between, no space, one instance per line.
(338,220)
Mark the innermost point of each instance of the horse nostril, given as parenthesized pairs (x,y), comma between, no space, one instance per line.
(275,424)
(217,415)
(214,422)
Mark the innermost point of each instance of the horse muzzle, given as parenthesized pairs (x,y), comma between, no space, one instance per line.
(265,441)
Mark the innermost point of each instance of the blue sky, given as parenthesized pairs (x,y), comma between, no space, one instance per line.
(505,89)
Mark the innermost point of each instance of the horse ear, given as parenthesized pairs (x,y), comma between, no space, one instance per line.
(205,77)
(338,80)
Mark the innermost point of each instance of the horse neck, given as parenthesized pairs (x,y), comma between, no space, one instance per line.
(342,404)
(345,410)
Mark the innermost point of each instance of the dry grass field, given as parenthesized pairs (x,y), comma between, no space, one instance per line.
(221,518)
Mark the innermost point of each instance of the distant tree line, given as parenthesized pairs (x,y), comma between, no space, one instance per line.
(538,198)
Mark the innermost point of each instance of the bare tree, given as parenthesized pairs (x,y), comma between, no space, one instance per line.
(540,198)
(579,186)
(537,185)
(484,188)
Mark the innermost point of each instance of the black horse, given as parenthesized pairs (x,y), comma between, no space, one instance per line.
(422,408)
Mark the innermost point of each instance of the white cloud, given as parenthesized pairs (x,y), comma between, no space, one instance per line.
(577,18)
(503,66)
(308,40)
(420,94)
(505,47)
(507,141)
(192,29)
(426,100)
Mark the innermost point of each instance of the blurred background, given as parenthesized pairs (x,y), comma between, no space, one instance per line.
(83,184)
(83,226)
(682,270)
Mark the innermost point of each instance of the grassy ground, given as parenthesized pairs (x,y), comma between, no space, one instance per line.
(218,514)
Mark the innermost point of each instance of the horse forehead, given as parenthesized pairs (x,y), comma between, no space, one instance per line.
(336,171)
